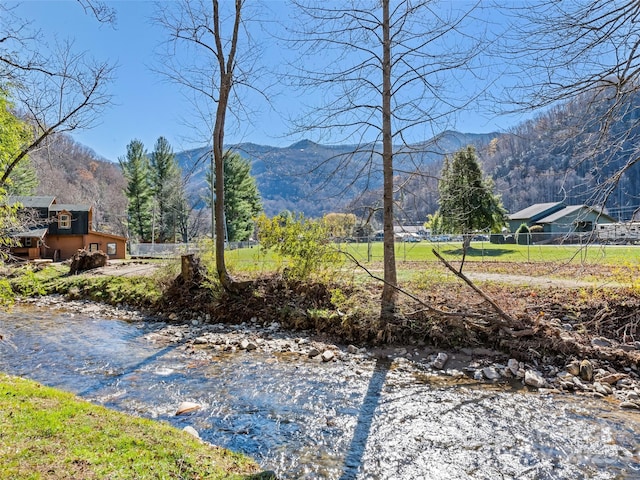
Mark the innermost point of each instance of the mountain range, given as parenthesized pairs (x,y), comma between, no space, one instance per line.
(558,156)
(315,179)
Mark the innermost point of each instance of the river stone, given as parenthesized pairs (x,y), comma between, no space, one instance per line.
(352,349)
(186,407)
(586,370)
(567,385)
(313,352)
(574,368)
(601,342)
(328,355)
(612,378)
(440,360)
(579,384)
(624,383)
(514,366)
(491,373)
(603,389)
(247,345)
(630,404)
(534,379)
(191,431)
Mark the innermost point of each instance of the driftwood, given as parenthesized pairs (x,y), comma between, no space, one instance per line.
(458,273)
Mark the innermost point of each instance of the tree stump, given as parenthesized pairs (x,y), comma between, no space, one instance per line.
(191,269)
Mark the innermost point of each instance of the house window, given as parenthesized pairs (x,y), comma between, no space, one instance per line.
(94,247)
(111,248)
(26,242)
(64,220)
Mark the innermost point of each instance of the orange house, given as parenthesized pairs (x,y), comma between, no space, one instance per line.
(59,230)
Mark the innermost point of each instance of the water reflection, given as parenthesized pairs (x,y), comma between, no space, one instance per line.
(341,420)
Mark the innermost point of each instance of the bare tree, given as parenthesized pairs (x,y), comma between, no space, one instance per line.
(385,73)
(211,37)
(586,53)
(57,91)
(100,10)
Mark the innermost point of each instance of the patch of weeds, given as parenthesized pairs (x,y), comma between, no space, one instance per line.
(321,314)
(426,280)
(28,284)
(338,297)
(135,291)
(6,293)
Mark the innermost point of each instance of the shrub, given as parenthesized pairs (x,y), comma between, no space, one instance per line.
(523,236)
(6,293)
(304,243)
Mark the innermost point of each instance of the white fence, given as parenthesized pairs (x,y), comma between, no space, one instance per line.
(170,250)
(161,250)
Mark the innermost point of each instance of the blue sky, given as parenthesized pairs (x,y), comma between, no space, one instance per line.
(145,105)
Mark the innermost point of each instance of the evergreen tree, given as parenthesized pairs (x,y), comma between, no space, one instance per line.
(136,169)
(242,199)
(467,202)
(167,187)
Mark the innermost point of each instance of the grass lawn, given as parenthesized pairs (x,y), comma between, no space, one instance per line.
(257,260)
(49,434)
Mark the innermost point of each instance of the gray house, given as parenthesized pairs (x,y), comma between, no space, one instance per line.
(558,218)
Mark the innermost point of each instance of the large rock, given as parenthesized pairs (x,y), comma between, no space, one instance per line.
(440,360)
(328,355)
(534,379)
(586,370)
(83,260)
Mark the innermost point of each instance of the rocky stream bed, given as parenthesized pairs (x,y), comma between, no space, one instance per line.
(198,337)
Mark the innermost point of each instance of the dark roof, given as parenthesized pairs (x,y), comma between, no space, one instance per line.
(31,202)
(560,213)
(534,210)
(59,207)
(32,233)
(570,209)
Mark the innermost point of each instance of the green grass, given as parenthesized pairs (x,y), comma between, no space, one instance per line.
(488,252)
(49,434)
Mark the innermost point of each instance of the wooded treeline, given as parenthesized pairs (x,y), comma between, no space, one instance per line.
(557,156)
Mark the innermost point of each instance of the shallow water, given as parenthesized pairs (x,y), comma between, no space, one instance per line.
(367,419)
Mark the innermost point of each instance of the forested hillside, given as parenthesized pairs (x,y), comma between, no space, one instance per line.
(73,173)
(563,156)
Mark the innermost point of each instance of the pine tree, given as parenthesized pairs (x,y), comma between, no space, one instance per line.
(242,198)
(136,169)
(467,202)
(167,188)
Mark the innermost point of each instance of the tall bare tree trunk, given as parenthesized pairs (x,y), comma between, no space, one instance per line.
(226,83)
(389,293)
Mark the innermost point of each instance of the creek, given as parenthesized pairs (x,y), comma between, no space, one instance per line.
(355,418)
